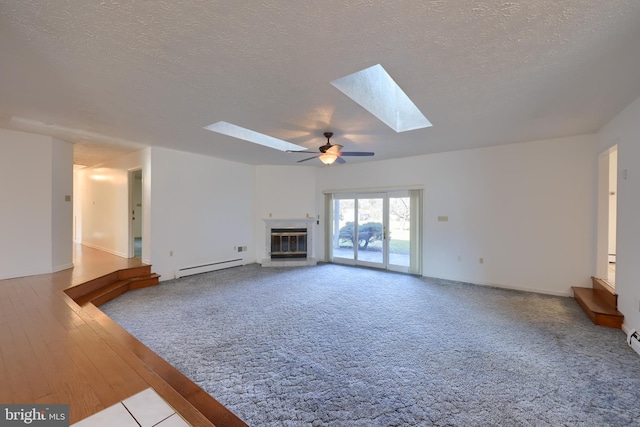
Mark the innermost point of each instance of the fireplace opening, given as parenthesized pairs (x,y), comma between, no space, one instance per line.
(288,243)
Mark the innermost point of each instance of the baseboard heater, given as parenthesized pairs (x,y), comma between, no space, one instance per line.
(633,339)
(205,268)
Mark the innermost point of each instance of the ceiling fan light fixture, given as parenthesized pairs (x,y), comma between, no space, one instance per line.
(328,158)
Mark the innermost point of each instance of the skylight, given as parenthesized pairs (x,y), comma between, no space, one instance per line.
(251,136)
(375,90)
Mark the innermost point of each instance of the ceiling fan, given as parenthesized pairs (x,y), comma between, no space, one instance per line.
(330,153)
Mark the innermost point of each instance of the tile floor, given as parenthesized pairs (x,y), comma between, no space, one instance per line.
(145,409)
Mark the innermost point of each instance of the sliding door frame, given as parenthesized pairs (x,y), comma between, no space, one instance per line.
(416,208)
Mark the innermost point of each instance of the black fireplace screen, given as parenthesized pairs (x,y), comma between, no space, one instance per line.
(288,243)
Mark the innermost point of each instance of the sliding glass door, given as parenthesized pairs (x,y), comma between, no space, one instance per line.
(378,230)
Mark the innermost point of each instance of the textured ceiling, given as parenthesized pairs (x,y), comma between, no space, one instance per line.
(105,73)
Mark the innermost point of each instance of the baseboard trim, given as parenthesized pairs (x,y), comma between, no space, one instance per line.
(513,288)
(208,267)
(62,267)
(111,251)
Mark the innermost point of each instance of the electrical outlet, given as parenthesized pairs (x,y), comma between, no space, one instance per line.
(481,260)
(459,258)
(170,253)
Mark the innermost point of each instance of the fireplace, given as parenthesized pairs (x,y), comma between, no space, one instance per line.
(289,242)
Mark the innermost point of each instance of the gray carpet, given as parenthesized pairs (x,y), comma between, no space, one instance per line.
(341,346)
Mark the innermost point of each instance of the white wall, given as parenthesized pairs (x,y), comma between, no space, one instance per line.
(285,192)
(33,204)
(201,208)
(77,203)
(528,209)
(104,203)
(624,130)
(61,204)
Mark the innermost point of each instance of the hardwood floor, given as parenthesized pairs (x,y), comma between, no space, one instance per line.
(54,351)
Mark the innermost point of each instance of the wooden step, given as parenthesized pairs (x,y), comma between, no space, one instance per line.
(599,309)
(89,286)
(151,279)
(85,288)
(115,289)
(128,273)
(107,287)
(104,294)
(605,291)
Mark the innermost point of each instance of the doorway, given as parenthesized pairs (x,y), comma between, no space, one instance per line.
(607,215)
(613,215)
(379,230)
(135,213)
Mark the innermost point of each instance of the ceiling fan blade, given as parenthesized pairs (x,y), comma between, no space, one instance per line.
(309,158)
(340,160)
(303,152)
(355,153)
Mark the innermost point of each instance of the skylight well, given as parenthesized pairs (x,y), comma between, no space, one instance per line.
(375,90)
(252,136)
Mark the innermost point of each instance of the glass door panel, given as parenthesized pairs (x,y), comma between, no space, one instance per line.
(399,235)
(370,231)
(342,238)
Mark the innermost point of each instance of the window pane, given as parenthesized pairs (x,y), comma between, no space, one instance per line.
(371,230)
(399,231)
(343,233)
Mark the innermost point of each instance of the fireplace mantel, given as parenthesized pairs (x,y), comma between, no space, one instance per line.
(271,223)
